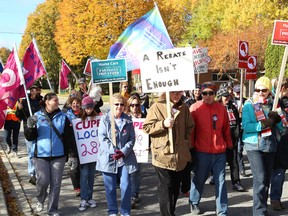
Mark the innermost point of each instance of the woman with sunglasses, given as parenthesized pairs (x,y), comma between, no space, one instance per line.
(133,109)
(117,159)
(259,137)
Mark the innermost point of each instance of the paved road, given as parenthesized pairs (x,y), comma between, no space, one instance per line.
(240,203)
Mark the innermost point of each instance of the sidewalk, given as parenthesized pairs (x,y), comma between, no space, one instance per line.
(240,203)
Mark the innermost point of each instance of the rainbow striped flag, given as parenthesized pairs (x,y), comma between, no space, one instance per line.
(146,33)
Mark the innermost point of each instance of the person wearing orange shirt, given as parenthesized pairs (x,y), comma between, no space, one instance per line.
(12,125)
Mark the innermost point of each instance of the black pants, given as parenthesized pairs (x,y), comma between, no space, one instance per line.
(168,190)
(234,167)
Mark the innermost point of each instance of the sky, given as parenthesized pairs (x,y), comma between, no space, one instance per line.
(13,19)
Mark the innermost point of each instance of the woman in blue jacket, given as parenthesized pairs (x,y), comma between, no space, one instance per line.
(117,159)
(259,137)
(51,131)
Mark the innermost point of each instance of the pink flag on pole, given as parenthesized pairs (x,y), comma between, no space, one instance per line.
(3,107)
(65,70)
(9,79)
(33,67)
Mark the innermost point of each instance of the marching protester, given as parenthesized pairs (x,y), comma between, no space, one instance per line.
(51,129)
(259,137)
(144,98)
(133,109)
(87,170)
(281,162)
(83,89)
(210,140)
(236,101)
(117,159)
(72,113)
(12,127)
(73,93)
(124,90)
(223,96)
(169,166)
(23,114)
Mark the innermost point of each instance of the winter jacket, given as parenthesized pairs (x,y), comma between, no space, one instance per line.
(125,140)
(73,152)
(251,130)
(212,128)
(160,143)
(48,144)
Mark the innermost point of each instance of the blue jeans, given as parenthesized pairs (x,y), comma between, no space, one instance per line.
(261,168)
(87,174)
(205,163)
(110,183)
(277,181)
(30,153)
(12,127)
(135,179)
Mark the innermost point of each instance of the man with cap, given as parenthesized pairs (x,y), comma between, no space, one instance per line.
(23,113)
(210,140)
(82,86)
(224,97)
(236,102)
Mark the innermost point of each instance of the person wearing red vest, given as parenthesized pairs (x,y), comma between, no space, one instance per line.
(12,125)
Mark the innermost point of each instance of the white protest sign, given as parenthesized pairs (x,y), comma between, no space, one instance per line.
(141,141)
(86,137)
(167,70)
(201,60)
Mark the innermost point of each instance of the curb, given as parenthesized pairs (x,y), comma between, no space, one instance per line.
(3,206)
(17,190)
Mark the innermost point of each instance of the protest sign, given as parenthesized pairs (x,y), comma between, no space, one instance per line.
(141,141)
(167,70)
(201,60)
(86,137)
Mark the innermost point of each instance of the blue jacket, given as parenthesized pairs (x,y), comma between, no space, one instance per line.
(70,114)
(48,143)
(252,128)
(125,140)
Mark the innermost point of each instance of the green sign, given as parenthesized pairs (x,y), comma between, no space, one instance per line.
(106,71)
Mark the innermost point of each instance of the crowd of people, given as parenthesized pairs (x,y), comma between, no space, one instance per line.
(196,132)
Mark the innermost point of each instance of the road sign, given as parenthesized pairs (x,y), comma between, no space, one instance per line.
(280,33)
(108,71)
(243,50)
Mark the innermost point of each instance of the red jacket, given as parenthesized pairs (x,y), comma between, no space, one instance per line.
(211,133)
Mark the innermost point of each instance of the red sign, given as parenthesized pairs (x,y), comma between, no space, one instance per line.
(242,64)
(280,33)
(243,50)
(251,70)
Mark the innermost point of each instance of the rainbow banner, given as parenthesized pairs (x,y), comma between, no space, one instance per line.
(147,33)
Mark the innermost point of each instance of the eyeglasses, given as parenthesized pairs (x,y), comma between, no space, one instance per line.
(205,93)
(262,90)
(117,104)
(134,105)
(125,86)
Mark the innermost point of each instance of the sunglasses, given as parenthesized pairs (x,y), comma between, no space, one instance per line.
(208,93)
(261,90)
(134,105)
(117,104)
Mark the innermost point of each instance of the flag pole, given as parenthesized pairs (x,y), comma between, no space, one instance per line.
(59,87)
(38,52)
(22,80)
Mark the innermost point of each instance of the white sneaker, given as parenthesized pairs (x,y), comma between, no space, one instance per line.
(39,207)
(113,215)
(92,203)
(83,205)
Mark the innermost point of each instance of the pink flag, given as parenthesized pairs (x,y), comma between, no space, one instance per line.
(65,70)
(33,67)
(10,77)
(3,107)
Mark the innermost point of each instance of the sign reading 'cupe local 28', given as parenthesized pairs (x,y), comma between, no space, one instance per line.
(167,70)
(107,71)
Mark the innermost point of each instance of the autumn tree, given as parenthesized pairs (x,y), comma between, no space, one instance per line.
(41,24)
(4,54)
(89,28)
